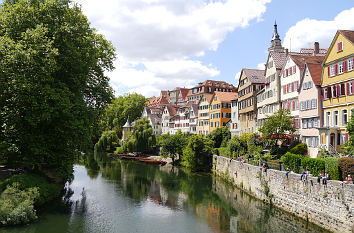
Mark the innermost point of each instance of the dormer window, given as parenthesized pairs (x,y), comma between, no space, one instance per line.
(340,46)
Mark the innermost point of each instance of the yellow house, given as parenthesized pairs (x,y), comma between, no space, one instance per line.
(220,109)
(337,90)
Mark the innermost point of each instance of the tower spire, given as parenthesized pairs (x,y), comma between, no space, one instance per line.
(275,44)
(275,32)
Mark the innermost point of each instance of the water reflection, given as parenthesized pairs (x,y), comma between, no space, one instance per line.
(109,195)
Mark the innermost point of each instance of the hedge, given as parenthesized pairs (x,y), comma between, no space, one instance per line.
(300,149)
(331,166)
(346,165)
(314,165)
(293,161)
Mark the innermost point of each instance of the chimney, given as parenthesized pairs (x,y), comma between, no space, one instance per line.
(316,49)
(286,52)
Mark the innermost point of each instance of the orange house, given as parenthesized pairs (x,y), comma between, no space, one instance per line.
(220,109)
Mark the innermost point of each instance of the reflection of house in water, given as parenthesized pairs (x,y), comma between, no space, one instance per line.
(154,193)
(233,224)
(218,219)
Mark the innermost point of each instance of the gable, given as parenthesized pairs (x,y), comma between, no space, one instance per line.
(333,54)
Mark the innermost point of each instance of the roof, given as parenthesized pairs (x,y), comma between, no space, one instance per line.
(315,71)
(208,97)
(172,109)
(184,92)
(195,108)
(226,96)
(254,75)
(215,83)
(279,58)
(127,124)
(349,34)
(157,101)
(311,51)
(156,120)
(301,59)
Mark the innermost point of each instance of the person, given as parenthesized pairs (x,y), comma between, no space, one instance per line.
(320,177)
(325,178)
(347,180)
(288,170)
(303,175)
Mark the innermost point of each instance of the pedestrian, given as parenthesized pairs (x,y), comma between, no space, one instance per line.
(348,179)
(325,178)
(320,177)
(288,170)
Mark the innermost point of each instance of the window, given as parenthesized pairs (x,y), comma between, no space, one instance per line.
(314,104)
(332,71)
(328,119)
(340,46)
(325,93)
(350,64)
(304,124)
(340,68)
(335,118)
(344,117)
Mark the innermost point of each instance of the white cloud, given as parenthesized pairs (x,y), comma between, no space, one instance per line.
(237,77)
(163,35)
(261,66)
(305,32)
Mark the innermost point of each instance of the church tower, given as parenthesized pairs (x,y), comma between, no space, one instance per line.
(275,43)
(127,128)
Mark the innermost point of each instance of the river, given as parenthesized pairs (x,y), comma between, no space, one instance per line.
(112,196)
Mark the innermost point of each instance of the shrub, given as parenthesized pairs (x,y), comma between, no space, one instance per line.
(331,166)
(16,206)
(346,166)
(224,151)
(293,161)
(300,149)
(314,165)
(46,191)
(119,150)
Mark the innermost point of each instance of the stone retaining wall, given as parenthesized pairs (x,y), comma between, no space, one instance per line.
(331,206)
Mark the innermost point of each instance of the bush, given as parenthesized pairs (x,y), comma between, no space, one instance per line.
(119,150)
(16,206)
(46,191)
(346,166)
(331,166)
(224,151)
(300,149)
(293,161)
(314,165)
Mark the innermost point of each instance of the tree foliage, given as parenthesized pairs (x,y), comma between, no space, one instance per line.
(173,145)
(220,136)
(198,153)
(142,138)
(350,144)
(53,87)
(278,126)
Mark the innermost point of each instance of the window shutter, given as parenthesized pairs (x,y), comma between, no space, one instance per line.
(345,66)
(284,89)
(288,105)
(292,87)
(329,71)
(283,74)
(347,89)
(338,138)
(293,105)
(329,92)
(335,69)
(342,89)
(352,86)
(297,84)
(294,69)
(346,137)
(290,70)
(338,91)
(322,94)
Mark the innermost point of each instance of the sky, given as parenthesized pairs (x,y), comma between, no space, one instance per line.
(162,44)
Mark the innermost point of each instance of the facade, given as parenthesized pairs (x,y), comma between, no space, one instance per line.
(180,121)
(127,128)
(178,96)
(168,112)
(311,107)
(220,109)
(203,114)
(234,125)
(338,89)
(250,82)
(209,86)
(154,115)
(193,118)
(290,77)
(268,99)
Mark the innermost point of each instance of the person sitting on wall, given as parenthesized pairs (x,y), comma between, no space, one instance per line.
(325,178)
(320,177)
(347,180)
(303,175)
(288,170)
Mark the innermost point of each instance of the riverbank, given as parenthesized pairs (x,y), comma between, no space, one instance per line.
(331,206)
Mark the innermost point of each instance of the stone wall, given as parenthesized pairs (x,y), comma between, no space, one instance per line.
(331,206)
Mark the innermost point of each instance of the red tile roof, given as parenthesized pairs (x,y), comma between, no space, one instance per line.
(278,58)
(301,59)
(254,75)
(315,70)
(226,96)
(311,51)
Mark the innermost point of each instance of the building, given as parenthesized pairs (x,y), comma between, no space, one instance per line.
(168,112)
(268,99)
(234,126)
(127,128)
(290,77)
(203,114)
(250,82)
(338,89)
(154,115)
(311,107)
(220,109)
(180,121)
(178,96)
(209,86)
(193,118)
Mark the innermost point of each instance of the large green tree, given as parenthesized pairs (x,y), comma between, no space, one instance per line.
(142,139)
(278,126)
(53,85)
(173,145)
(220,136)
(350,144)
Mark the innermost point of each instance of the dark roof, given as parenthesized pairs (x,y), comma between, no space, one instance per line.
(156,120)
(349,34)
(254,75)
(172,109)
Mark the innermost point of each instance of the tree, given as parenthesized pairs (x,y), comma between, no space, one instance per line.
(278,126)
(220,136)
(53,87)
(198,153)
(173,145)
(142,138)
(350,144)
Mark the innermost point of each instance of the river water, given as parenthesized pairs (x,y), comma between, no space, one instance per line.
(110,195)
